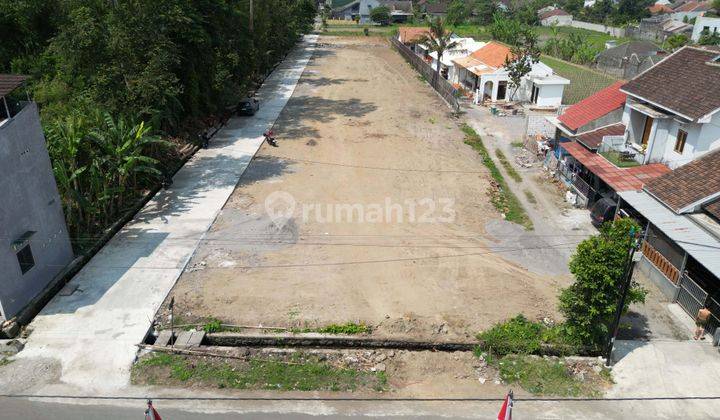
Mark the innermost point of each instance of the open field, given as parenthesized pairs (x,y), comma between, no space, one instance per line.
(583,80)
(361,132)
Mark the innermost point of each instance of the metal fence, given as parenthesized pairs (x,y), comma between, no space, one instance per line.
(691,296)
(442,86)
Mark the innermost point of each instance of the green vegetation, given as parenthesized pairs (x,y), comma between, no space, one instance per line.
(518,144)
(4,361)
(521,336)
(110,77)
(508,167)
(541,376)
(349,328)
(500,195)
(381,15)
(530,197)
(598,264)
(615,159)
(300,373)
(583,81)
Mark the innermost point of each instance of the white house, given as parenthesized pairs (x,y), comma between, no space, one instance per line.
(556,17)
(691,10)
(464,47)
(705,24)
(484,73)
(674,120)
(359,8)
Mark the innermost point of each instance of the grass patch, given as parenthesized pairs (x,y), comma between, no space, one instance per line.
(501,197)
(522,336)
(583,81)
(508,167)
(300,374)
(614,158)
(517,144)
(530,197)
(4,361)
(349,328)
(543,377)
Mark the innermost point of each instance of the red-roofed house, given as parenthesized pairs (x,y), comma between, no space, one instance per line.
(585,132)
(557,17)
(484,72)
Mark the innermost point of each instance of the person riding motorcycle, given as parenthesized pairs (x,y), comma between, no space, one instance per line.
(270,138)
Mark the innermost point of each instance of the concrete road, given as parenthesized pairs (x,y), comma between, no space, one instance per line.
(93,331)
(20,408)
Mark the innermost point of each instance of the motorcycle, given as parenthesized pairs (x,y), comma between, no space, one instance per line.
(270,138)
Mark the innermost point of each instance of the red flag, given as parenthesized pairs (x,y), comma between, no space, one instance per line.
(506,409)
(151,413)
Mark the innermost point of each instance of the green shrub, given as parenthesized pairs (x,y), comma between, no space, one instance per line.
(212,326)
(518,335)
(522,336)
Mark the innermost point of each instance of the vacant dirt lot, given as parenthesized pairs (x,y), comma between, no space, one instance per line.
(362,129)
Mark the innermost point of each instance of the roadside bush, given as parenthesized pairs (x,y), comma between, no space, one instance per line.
(522,336)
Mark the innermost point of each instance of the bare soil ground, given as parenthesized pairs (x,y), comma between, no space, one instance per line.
(361,128)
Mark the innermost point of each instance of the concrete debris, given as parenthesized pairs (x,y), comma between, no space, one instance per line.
(380,367)
(482,380)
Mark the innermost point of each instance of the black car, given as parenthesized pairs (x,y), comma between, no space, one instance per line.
(602,211)
(248,106)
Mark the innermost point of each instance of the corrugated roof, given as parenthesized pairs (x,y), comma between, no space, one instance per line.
(10,82)
(700,244)
(493,54)
(593,139)
(690,184)
(682,83)
(593,107)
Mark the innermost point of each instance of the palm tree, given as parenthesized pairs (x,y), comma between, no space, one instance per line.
(438,39)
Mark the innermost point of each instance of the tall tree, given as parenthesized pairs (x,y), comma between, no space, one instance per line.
(598,264)
(438,40)
(520,62)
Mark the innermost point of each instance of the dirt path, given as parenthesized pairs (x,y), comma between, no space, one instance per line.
(557,226)
(362,130)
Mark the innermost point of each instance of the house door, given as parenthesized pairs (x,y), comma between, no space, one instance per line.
(535,94)
(646,130)
(502,90)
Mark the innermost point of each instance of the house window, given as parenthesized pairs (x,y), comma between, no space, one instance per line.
(680,141)
(25,259)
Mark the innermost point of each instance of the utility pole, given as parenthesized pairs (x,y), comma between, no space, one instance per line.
(627,280)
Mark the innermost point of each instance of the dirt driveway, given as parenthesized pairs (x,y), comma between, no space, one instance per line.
(388,215)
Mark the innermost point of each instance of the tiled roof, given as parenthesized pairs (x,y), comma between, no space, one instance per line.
(493,54)
(593,139)
(659,8)
(683,83)
(594,106)
(410,34)
(554,12)
(619,179)
(691,183)
(694,6)
(9,82)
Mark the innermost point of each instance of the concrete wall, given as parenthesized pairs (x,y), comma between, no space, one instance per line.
(612,117)
(668,288)
(712,25)
(30,202)
(537,124)
(611,30)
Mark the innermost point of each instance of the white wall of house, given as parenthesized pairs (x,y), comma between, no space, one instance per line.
(711,24)
(682,15)
(662,142)
(550,95)
(564,20)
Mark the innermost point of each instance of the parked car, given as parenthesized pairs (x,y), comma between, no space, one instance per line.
(602,211)
(248,106)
